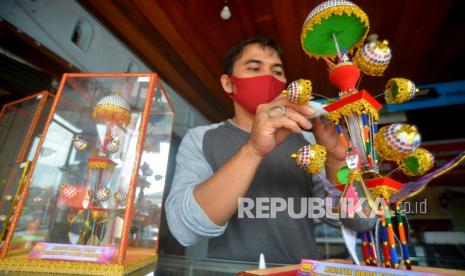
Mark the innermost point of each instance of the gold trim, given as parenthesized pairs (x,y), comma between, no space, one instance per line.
(383,191)
(100,165)
(405,92)
(425,162)
(111,113)
(367,67)
(302,94)
(358,107)
(67,267)
(324,14)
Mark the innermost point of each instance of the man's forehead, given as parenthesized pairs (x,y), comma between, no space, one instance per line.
(256,50)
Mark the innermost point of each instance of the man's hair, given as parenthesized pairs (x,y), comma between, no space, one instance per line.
(236,52)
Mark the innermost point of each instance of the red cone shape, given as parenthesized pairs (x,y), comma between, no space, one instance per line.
(344,77)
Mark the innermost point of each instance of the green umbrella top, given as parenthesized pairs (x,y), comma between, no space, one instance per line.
(332,20)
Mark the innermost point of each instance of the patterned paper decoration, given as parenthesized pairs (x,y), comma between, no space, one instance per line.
(103,194)
(396,141)
(399,90)
(310,158)
(373,58)
(299,91)
(417,163)
(113,145)
(69,191)
(80,144)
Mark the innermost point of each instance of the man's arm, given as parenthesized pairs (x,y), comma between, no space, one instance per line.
(219,199)
(186,219)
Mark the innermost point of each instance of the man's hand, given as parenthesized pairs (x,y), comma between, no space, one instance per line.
(269,131)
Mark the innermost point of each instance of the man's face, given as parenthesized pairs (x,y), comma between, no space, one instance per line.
(257,60)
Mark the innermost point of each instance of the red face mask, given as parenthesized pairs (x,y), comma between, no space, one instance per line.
(251,92)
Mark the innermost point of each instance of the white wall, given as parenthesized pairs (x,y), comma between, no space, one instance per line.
(52,23)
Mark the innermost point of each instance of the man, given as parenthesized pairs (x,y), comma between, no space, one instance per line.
(248,156)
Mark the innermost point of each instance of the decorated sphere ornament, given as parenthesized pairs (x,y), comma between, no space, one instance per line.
(113,145)
(373,58)
(399,90)
(299,91)
(310,158)
(120,197)
(103,194)
(417,163)
(396,141)
(80,144)
(332,20)
(112,109)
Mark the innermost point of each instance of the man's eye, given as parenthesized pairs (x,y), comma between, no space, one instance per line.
(253,69)
(278,73)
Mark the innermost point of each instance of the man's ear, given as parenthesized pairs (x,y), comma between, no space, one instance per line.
(227,84)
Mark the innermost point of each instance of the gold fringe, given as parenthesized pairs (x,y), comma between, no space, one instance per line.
(404,92)
(111,113)
(304,92)
(100,165)
(383,191)
(324,14)
(358,107)
(67,267)
(368,67)
(425,162)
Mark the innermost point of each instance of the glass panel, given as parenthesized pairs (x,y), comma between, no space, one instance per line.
(16,123)
(83,174)
(152,173)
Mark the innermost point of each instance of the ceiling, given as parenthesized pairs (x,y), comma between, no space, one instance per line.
(185,40)
(26,67)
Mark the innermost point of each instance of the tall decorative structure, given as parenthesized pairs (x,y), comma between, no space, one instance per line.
(366,201)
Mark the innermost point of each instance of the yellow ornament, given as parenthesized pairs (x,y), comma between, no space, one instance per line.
(417,163)
(399,90)
(310,158)
(299,91)
(396,141)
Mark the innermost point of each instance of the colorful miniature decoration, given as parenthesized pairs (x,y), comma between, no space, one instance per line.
(80,144)
(373,58)
(335,25)
(399,90)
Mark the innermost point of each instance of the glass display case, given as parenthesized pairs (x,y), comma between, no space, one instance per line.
(21,123)
(95,187)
